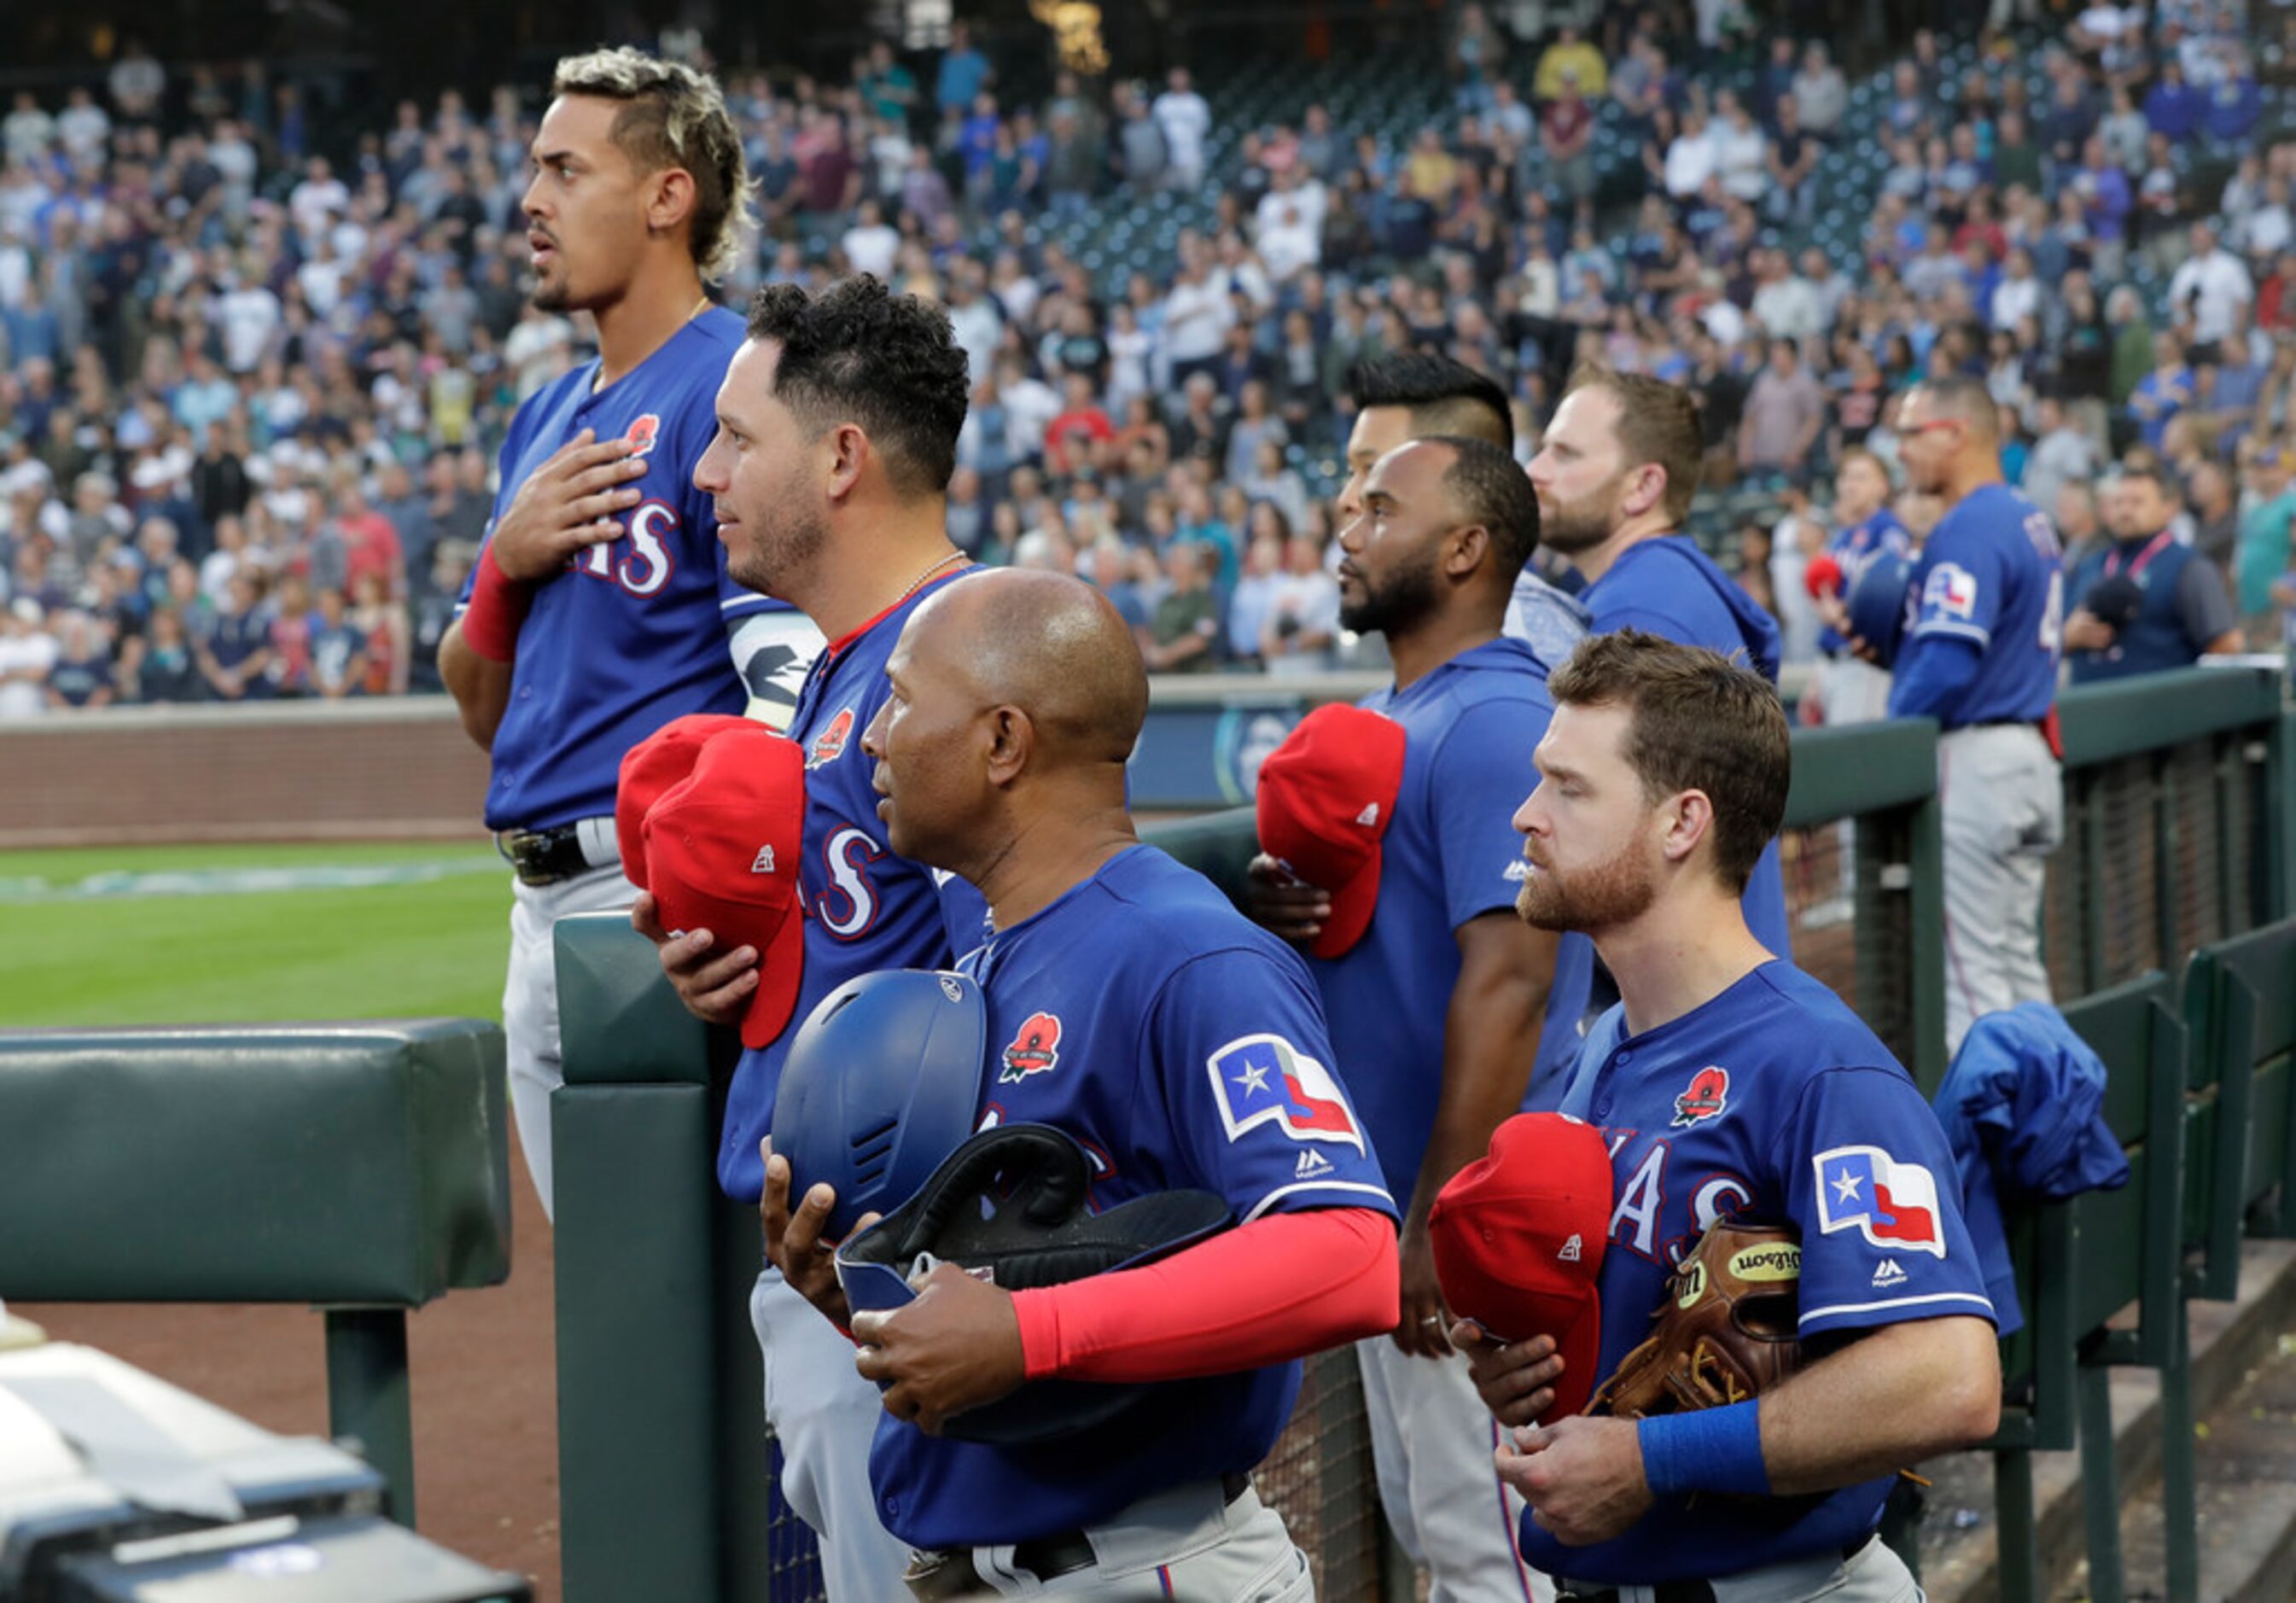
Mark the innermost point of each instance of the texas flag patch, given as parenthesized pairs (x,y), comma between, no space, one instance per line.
(1951,592)
(1890,1203)
(1263,1079)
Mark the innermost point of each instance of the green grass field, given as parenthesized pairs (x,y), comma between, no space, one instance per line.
(82,943)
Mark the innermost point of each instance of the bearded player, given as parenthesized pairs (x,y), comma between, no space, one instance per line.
(600,608)
(1727,1082)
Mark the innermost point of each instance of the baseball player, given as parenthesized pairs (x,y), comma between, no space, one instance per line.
(601,607)
(2143,605)
(1413,394)
(1850,689)
(1984,632)
(837,427)
(1435,990)
(1729,1083)
(1615,472)
(1408,395)
(1130,1007)
(1853,690)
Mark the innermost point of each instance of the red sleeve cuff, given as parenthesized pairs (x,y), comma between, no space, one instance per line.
(498,604)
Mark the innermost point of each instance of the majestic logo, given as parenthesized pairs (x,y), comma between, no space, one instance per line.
(1951,592)
(765,863)
(1517,872)
(1369,817)
(1310,1165)
(1034,1050)
(1263,1080)
(1891,1204)
(645,432)
(1573,1250)
(830,744)
(1889,1274)
(1708,1095)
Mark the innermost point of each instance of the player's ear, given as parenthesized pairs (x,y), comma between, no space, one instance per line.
(1011,737)
(1646,490)
(1689,820)
(669,200)
(850,450)
(1465,549)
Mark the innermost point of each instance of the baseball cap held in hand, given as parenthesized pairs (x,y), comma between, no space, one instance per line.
(662,759)
(1325,800)
(722,849)
(1518,1237)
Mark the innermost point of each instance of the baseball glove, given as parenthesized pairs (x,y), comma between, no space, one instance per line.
(1724,1332)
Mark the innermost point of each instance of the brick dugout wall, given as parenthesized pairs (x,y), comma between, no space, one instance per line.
(392,767)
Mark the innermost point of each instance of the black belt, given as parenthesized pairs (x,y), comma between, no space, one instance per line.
(1669,1591)
(544,857)
(950,1572)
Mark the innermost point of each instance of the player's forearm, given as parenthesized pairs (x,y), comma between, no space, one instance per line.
(1490,1038)
(1887,1401)
(1275,1289)
(481,687)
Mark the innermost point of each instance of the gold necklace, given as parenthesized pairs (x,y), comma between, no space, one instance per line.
(699,307)
(918,583)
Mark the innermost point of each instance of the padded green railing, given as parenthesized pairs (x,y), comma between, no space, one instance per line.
(361,1168)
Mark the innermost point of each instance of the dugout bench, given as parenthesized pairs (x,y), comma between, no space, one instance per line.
(361,1168)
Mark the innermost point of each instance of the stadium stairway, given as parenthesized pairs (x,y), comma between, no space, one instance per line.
(2244,1394)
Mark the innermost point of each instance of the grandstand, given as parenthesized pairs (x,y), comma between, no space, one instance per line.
(240,339)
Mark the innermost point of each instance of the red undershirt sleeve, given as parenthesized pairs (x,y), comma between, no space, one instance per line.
(1275,1289)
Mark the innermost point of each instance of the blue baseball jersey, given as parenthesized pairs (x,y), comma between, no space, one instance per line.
(1183,1047)
(633,634)
(866,910)
(1450,854)
(1668,587)
(1855,549)
(1992,575)
(1774,1100)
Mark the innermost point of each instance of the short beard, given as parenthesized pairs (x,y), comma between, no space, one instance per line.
(1583,524)
(1600,898)
(1406,599)
(790,550)
(550,297)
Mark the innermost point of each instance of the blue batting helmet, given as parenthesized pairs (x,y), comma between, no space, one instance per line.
(1877,605)
(882,1081)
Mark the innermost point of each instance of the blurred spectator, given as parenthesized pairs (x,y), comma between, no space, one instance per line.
(1785,409)
(334,650)
(81,675)
(1820,91)
(2264,557)
(1302,628)
(1184,632)
(1184,120)
(2144,603)
(1570,59)
(166,670)
(27,652)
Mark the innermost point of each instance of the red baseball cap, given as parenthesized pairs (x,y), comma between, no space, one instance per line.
(723,848)
(1325,798)
(1518,1237)
(650,767)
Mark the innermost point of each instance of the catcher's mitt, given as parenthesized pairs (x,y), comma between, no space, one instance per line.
(1724,1332)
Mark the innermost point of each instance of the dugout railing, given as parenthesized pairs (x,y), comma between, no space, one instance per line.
(360,1168)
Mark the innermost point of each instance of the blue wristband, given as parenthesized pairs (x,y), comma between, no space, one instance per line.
(1712,1450)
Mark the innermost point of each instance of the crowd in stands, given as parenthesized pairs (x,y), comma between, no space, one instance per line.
(252,381)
